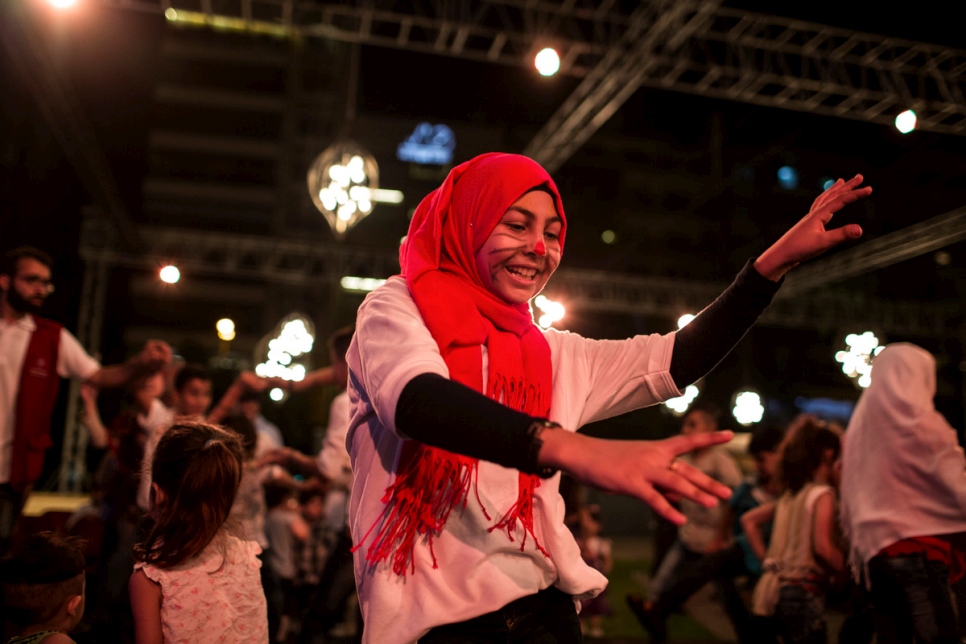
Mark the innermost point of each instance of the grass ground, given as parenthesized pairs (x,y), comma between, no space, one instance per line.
(623,624)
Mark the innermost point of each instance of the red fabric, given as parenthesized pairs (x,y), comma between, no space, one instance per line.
(934,549)
(438,261)
(39,384)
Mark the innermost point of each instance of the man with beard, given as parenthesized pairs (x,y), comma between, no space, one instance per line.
(34,354)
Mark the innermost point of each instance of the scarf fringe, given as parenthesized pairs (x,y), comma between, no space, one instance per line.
(419,503)
(433,482)
(522,511)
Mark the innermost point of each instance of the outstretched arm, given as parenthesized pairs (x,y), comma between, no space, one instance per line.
(245,381)
(704,342)
(153,357)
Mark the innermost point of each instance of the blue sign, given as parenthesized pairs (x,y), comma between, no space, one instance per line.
(428,145)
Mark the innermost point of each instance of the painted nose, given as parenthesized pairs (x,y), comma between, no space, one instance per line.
(540,249)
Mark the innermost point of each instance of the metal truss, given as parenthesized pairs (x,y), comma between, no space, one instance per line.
(893,248)
(287,261)
(254,257)
(670,298)
(693,46)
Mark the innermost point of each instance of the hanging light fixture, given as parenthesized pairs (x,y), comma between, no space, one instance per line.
(342,182)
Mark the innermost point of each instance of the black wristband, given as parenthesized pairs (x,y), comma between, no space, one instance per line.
(533,452)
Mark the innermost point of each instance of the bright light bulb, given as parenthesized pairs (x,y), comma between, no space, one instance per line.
(276,394)
(169,274)
(748,408)
(680,404)
(906,122)
(547,62)
(684,320)
(62,4)
(226,329)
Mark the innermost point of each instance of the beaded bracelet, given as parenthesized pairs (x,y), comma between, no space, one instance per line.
(533,453)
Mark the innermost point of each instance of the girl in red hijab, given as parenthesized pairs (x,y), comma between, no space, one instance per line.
(463,410)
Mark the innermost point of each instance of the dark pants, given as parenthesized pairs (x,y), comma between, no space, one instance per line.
(695,571)
(801,616)
(912,600)
(549,617)
(326,604)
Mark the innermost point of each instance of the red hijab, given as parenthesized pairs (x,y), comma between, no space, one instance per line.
(438,261)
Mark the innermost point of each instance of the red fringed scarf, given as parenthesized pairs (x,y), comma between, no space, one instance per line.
(438,261)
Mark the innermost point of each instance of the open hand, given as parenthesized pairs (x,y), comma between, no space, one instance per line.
(644,469)
(154,356)
(809,237)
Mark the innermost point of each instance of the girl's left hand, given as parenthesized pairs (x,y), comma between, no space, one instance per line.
(809,237)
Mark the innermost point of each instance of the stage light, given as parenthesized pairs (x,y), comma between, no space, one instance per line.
(169,274)
(552,311)
(680,404)
(276,394)
(906,122)
(608,236)
(361,284)
(286,353)
(788,177)
(857,361)
(547,62)
(226,329)
(747,408)
(684,320)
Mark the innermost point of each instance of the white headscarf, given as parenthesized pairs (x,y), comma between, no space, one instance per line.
(903,471)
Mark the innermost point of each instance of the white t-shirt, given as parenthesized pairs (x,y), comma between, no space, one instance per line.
(72,362)
(479,571)
(702,525)
(333,460)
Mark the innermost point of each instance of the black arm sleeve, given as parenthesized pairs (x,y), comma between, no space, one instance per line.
(446,414)
(703,343)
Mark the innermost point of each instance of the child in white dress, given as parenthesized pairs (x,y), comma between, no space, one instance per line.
(193,581)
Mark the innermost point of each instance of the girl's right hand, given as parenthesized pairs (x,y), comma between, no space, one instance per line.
(647,470)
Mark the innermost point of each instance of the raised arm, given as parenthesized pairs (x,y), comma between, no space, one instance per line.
(245,381)
(704,342)
(92,417)
(153,357)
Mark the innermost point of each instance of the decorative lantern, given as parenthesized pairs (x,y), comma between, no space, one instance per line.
(341,182)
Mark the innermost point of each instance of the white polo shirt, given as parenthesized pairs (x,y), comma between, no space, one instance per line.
(72,362)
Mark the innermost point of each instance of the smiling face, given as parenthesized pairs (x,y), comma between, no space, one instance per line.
(523,250)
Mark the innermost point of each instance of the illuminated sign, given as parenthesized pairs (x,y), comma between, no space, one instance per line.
(428,145)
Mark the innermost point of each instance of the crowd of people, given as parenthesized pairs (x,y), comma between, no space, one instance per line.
(434,505)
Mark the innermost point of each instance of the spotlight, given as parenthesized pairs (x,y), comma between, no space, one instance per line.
(788,177)
(680,404)
(747,408)
(552,311)
(547,62)
(169,274)
(226,329)
(906,122)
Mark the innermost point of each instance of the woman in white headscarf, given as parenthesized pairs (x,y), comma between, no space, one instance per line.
(904,499)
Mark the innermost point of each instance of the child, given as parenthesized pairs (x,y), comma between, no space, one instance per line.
(194,582)
(43,589)
(286,531)
(596,553)
(803,552)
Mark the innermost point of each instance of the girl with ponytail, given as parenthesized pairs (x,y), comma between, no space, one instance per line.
(192,581)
